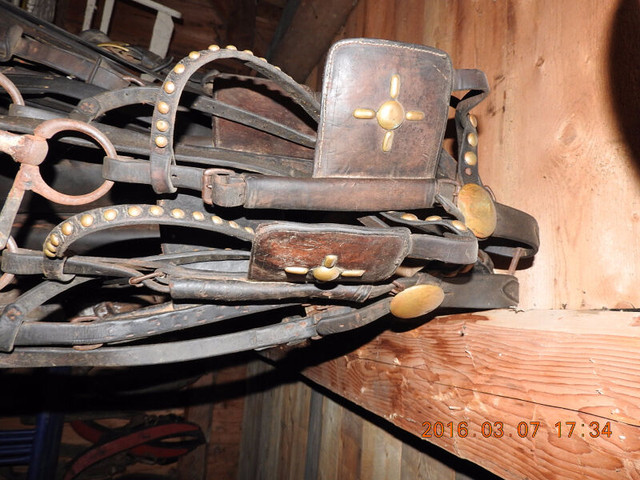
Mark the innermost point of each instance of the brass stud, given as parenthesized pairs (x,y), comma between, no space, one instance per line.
(194,55)
(67,228)
(330,261)
(478,209)
(262,58)
(470,158)
(472,139)
(364,113)
(231,47)
(163,107)
(177,213)
(179,68)
(248,51)
(387,142)
(49,254)
(110,214)
(217,220)
(50,247)
(162,125)
(54,239)
(296,270)
(326,274)
(233,224)
(414,115)
(156,210)
(409,216)
(198,216)
(473,120)
(433,218)
(169,87)
(161,141)
(416,301)
(353,273)
(458,225)
(86,220)
(390,115)
(394,87)
(248,229)
(134,211)
(214,48)
(277,67)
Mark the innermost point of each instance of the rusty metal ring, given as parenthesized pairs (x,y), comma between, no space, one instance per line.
(6,278)
(47,130)
(12,90)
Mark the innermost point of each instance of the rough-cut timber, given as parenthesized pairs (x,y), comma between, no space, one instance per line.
(504,370)
(309,35)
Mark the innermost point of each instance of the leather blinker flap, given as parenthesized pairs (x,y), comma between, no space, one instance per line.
(384,110)
(326,253)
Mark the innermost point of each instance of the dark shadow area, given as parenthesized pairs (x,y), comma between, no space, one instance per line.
(624,73)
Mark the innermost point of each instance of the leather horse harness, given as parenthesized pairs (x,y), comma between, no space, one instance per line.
(327,211)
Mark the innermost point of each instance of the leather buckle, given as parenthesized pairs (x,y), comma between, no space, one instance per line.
(222,187)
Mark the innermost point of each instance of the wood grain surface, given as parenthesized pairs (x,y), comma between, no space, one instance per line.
(559,133)
(507,369)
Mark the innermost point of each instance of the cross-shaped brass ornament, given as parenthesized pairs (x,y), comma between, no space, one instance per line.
(390,114)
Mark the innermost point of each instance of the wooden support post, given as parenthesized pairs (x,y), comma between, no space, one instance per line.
(536,394)
(312,30)
(107,11)
(161,36)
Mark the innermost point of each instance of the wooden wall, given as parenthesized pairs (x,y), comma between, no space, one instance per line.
(291,431)
(559,133)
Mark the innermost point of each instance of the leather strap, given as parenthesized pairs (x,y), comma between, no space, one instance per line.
(518,229)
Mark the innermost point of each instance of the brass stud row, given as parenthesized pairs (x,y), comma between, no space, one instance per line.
(170,87)
(86,220)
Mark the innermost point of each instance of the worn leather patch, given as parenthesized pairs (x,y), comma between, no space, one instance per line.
(384,110)
(290,252)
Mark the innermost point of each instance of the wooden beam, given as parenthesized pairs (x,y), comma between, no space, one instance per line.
(309,34)
(491,378)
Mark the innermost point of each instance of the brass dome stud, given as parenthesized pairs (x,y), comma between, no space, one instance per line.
(86,220)
(458,225)
(134,211)
(110,215)
(416,301)
(177,213)
(156,210)
(169,87)
(470,158)
(478,209)
(67,228)
(163,107)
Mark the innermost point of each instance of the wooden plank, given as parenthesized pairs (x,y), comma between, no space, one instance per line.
(227,423)
(351,442)
(311,32)
(271,431)
(314,437)
(382,453)
(329,447)
(295,423)
(418,466)
(193,466)
(509,369)
(250,448)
